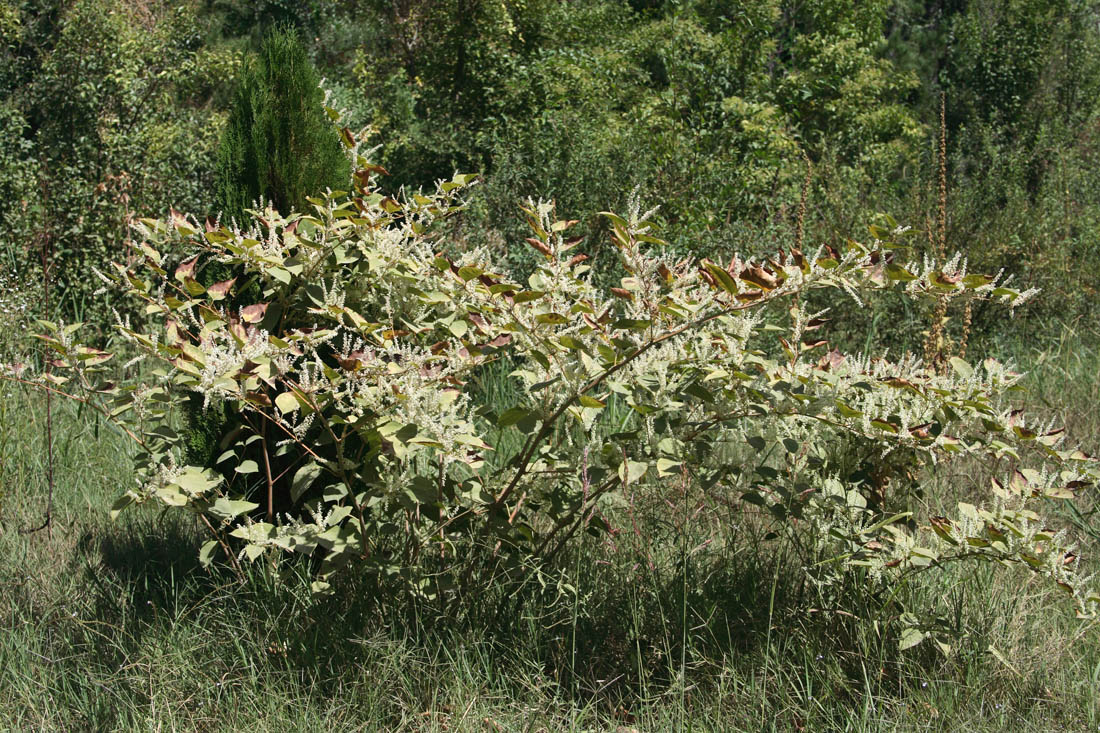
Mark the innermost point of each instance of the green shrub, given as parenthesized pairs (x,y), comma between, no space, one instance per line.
(362,438)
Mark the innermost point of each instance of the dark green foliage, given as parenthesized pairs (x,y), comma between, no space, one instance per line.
(204,428)
(278,144)
(707,106)
(105,116)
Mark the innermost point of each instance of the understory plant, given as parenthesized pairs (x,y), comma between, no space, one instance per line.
(358,434)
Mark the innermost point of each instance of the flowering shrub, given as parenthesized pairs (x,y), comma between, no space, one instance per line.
(357,433)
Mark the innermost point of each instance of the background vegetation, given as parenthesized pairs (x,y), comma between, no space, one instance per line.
(726,113)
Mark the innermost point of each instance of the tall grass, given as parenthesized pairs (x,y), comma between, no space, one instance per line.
(685,619)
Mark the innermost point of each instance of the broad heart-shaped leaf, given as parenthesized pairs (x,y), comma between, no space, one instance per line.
(666,466)
(229,509)
(910,637)
(196,481)
(632,471)
(172,495)
(286,402)
(303,479)
(459,328)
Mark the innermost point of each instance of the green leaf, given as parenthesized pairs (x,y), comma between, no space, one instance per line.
(196,481)
(511,416)
(247,467)
(206,553)
(193,286)
(897,272)
(961,368)
(697,390)
(303,479)
(591,402)
(551,318)
(754,497)
(286,402)
(571,342)
(228,509)
(724,280)
(121,503)
(615,218)
(172,495)
(666,466)
(976,280)
(469,272)
(910,637)
(630,471)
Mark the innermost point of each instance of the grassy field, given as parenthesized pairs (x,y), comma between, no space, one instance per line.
(113,625)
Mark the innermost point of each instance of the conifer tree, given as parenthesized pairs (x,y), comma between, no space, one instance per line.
(278,142)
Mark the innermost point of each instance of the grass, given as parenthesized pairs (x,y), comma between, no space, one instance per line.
(112,625)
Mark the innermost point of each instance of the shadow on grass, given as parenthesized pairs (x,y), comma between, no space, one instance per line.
(624,636)
(142,563)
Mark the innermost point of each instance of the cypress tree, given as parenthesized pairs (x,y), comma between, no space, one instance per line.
(278,142)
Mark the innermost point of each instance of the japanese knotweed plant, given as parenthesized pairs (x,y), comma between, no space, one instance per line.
(359,436)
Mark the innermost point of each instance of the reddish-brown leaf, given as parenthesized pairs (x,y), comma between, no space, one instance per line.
(187,269)
(620,293)
(253,313)
(221,289)
(758,276)
(539,246)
